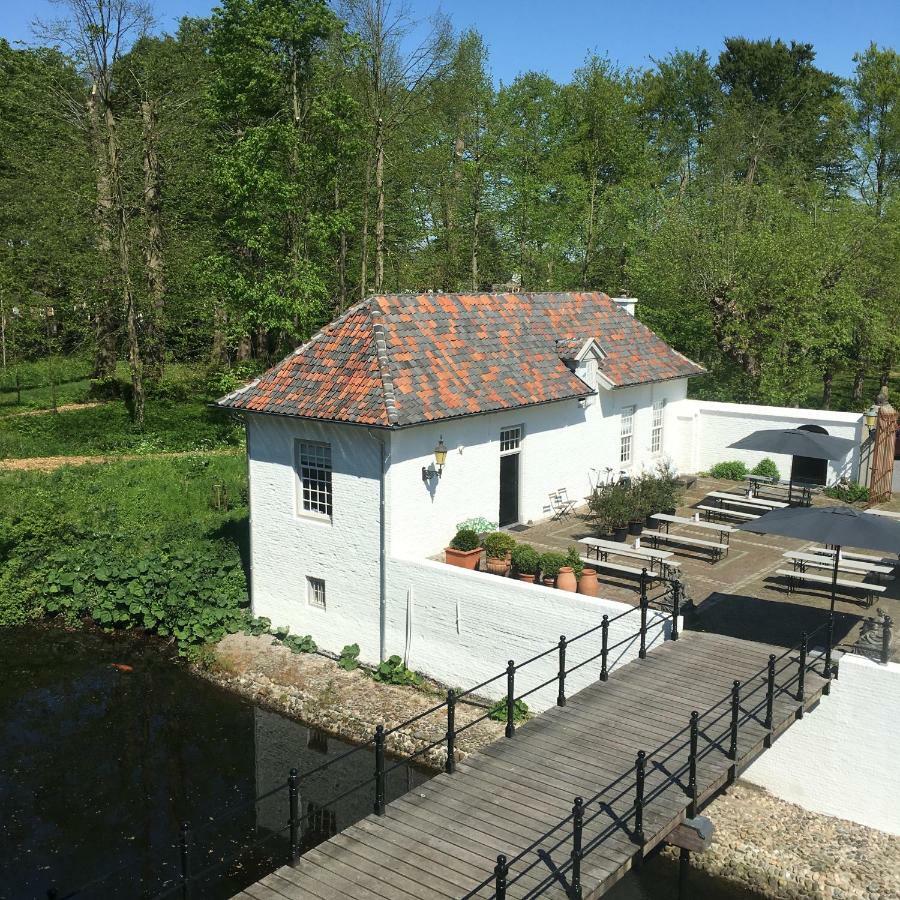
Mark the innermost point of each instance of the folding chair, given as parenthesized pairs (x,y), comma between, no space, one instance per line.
(561,505)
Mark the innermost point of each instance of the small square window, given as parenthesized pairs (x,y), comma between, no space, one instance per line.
(510,438)
(315,592)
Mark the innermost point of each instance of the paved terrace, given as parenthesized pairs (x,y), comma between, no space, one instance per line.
(739,595)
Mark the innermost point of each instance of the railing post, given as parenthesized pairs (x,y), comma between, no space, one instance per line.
(561,693)
(801,674)
(886,640)
(577,827)
(829,644)
(770,698)
(294,808)
(510,698)
(735,714)
(184,839)
(642,653)
(501,870)
(604,649)
(450,763)
(379,770)
(676,607)
(692,764)
(639,797)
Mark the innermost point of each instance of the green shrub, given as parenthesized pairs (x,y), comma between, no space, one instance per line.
(297,644)
(258,625)
(573,559)
(767,468)
(848,493)
(465,540)
(497,544)
(551,563)
(392,671)
(349,657)
(479,525)
(525,560)
(733,470)
(612,506)
(497,712)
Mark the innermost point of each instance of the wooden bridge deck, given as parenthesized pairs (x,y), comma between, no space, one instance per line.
(442,839)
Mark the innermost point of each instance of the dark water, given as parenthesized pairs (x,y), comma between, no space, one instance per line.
(99,768)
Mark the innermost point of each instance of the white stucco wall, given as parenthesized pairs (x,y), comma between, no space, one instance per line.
(841,759)
(705,429)
(462,627)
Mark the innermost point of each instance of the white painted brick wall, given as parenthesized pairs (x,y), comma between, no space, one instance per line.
(841,759)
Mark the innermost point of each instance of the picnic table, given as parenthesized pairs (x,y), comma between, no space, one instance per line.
(857,557)
(603,548)
(666,519)
(803,560)
(744,500)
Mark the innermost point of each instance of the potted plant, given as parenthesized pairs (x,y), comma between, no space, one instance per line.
(526,562)
(611,508)
(668,490)
(639,499)
(551,563)
(464,550)
(498,547)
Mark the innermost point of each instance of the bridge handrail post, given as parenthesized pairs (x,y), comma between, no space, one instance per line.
(801,673)
(770,692)
(294,813)
(501,871)
(676,607)
(561,693)
(510,698)
(577,828)
(604,649)
(886,640)
(692,764)
(639,768)
(735,715)
(379,771)
(450,762)
(642,653)
(184,840)
(829,647)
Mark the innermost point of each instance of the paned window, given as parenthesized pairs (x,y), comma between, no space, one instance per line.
(510,438)
(626,435)
(315,592)
(656,430)
(314,469)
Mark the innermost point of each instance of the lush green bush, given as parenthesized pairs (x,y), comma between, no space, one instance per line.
(612,506)
(733,470)
(767,468)
(392,671)
(465,540)
(525,560)
(498,543)
(479,525)
(551,563)
(848,493)
(573,559)
(349,658)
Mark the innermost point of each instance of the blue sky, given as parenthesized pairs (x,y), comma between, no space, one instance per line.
(554,37)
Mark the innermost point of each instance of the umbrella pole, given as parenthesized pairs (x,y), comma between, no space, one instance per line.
(830,639)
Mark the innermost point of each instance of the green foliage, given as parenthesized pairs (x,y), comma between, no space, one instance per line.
(848,493)
(612,506)
(573,559)
(296,643)
(465,540)
(551,563)
(498,711)
(767,468)
(478,525)
(733,470)
(498,543)
(349,658)
(392,671)
(258,625)
(525,560)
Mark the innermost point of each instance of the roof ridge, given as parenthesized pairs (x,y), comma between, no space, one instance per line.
(381,354)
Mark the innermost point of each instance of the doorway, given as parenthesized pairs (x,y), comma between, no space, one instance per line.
(807,469)
(510,443)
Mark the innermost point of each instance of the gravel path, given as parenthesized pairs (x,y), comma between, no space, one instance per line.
(51,463)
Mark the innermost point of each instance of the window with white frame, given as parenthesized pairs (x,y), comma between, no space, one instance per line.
(314,473)
(590,376)
(656,428)
(510,439)
(626,435)
(315,592)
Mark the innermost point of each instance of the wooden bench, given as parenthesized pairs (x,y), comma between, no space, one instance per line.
(801,560)
(859,557)
(723,511)
(617,567)
(718,550)
(793,577)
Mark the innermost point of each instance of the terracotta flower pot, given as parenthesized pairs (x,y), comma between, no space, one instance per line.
(588,584)
(549,581)
(524,576)
(566,580)
(497,566)
(465,559)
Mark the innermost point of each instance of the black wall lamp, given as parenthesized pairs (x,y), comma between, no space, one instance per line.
(440,457)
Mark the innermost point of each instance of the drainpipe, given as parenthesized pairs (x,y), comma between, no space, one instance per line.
(382,551)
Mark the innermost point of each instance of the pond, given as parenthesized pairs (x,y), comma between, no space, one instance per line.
(109,745)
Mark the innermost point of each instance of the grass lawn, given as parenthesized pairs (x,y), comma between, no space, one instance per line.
(68,378)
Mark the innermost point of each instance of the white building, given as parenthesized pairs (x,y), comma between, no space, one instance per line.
(529,392)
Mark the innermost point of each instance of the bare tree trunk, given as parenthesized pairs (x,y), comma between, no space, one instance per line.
(476,223)
(859,378)
(342,254)
(827,383)
(218,352)
(363,273)
(3,331)
(887,363)
(589,240)
(244,348)
(106,319)
(156,284)
(379,206)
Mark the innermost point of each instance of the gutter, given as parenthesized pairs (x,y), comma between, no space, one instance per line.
(382,551)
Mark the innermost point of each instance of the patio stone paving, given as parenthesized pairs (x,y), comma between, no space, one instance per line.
(739,595)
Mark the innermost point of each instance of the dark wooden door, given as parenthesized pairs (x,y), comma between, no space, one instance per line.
(509,489)
(807,469)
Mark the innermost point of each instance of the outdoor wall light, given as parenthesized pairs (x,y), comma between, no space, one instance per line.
(440,457)
(870,417)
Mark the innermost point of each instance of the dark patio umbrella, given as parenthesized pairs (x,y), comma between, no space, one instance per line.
(796,442)
(839,526)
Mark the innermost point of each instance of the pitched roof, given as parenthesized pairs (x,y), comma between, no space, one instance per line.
(403,359)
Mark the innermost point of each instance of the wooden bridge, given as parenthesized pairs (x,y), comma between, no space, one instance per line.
(507,822)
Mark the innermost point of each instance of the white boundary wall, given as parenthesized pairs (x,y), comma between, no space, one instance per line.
(704,429)
(462,627)
(841,759)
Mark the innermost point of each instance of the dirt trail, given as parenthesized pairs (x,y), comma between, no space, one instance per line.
(49,463)
(63,407)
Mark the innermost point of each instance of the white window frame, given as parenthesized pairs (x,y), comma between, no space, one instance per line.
(315,592)
(657,428)
(626,435)
(512,437)
(319,504)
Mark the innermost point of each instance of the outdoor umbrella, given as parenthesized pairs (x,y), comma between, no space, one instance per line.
(839,526)
(796,442)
